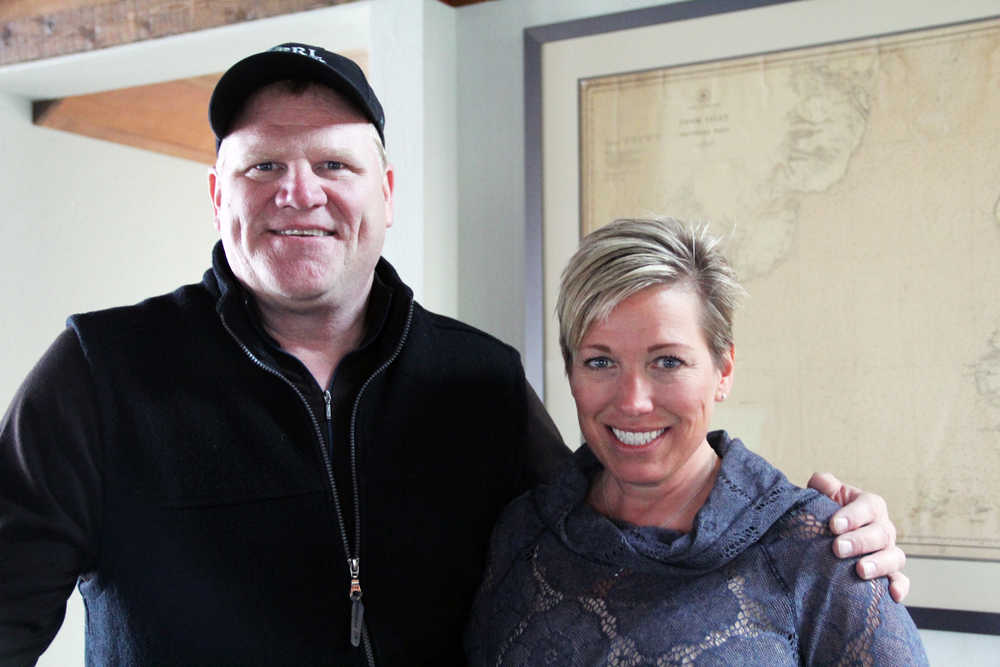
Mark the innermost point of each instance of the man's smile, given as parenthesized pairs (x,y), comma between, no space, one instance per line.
(303,232)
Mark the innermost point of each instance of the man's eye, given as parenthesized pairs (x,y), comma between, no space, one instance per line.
(598,362)
(265,166)
(333,165)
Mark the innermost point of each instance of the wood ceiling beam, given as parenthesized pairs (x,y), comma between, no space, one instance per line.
(21,9)
(169,117)
(31,30)
(36,29)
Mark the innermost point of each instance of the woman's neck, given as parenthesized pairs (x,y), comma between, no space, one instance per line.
(672,504)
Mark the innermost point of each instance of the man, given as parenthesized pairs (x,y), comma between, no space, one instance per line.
(291,462)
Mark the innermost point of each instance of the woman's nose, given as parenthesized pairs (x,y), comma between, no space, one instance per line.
(635,394)
(300,188)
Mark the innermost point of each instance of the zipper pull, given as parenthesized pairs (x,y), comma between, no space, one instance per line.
(357,607)
(329,402)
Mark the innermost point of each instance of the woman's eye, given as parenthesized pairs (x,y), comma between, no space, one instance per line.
(598,362)
(668,362)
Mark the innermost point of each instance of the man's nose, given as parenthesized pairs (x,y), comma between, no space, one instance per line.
(300,187)
(635,394)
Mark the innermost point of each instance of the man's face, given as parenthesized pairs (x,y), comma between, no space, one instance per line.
(302,198)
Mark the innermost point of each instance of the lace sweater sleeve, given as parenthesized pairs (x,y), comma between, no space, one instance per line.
(839,617)
(514,535)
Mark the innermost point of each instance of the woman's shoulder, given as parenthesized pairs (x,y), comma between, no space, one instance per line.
(527,518)
(801,536)
(805,523)
(517,530)
(837,613)
(520,516)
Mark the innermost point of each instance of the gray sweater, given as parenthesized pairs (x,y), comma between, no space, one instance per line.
(754,582)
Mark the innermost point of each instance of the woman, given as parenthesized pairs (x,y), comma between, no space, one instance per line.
(662,543)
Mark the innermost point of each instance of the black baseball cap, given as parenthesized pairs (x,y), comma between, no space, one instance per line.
(297,62)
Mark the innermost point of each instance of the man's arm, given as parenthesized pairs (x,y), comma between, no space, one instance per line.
(540,445)
(862,526)
(49,499)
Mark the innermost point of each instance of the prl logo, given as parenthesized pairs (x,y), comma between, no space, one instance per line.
(300,50)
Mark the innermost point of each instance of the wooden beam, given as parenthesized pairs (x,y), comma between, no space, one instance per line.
(20,9)
(31,30)
(169,117)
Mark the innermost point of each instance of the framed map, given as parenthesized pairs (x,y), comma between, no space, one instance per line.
(849,158)
(858,188)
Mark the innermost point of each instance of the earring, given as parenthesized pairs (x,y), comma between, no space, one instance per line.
(722,397)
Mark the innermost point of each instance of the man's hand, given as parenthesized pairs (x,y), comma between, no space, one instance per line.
(862,526)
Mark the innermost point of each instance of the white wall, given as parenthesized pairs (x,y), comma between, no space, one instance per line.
(412,44)
(440,165)
(87,224)
(491,153)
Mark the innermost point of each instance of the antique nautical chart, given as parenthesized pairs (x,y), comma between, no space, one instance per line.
(858,188)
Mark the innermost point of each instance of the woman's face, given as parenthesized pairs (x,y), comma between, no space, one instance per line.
(645,384)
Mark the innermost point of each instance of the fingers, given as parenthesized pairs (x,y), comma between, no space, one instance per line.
(862,526)
(827,484)
(831,487)
(899,586)
(876,537)
(887,562)
(864,509)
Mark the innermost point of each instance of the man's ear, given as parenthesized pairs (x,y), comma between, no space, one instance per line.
(215,192)
(388,183)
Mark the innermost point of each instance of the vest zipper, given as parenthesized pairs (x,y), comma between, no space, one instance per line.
(324,454)
(356,603)
(353,561)
(357,607)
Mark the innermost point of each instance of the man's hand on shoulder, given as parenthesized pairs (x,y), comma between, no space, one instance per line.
(862,526)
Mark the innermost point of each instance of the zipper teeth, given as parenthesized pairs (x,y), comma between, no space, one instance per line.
(327,464)
(365,639)
(368,644)
(354,422)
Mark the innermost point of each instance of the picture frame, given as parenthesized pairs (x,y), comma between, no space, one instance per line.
(957,601)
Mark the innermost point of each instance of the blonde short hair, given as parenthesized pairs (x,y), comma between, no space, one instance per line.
(629,255)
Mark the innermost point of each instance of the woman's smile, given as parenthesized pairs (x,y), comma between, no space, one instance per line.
(636,438)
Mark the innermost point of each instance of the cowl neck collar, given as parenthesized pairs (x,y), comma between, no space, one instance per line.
(749,496)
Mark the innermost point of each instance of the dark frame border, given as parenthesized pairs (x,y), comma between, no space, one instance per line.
(927,618)
(956,620)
